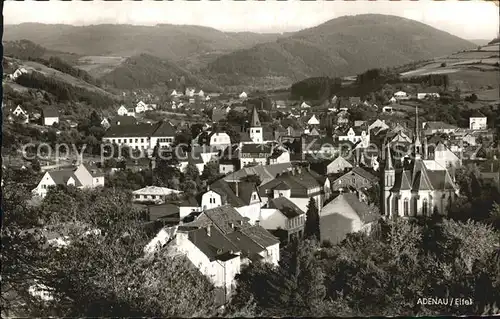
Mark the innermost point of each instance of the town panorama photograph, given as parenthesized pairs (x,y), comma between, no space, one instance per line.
(197,159)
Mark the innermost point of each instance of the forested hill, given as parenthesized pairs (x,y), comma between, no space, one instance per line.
(342,46)
(145,71)
(174,42)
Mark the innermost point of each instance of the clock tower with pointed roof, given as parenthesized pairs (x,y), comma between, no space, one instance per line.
(256,134)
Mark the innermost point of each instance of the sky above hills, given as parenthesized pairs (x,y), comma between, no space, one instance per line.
(467,19)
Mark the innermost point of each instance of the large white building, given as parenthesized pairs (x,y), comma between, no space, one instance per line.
(143,136)
(153,193)
(478,122)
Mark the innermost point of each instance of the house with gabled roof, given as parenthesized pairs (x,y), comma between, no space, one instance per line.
(153,194)
(346,214)
(338,165)
(141,107)
(355,135)
(265,173)
(122,110)
(283,218)
(298,185)
(105,123)
(219,241)
(140,136)
(438,127)
(84,176)
(304,105)
(356,178)
(313,120)
(477,121)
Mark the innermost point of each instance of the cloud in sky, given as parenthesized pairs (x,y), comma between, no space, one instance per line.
(467,19)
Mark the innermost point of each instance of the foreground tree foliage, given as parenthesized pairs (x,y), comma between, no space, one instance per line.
(384,273)
(101,273)
(102,269)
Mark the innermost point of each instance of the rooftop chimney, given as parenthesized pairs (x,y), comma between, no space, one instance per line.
(237,190)
(208,231)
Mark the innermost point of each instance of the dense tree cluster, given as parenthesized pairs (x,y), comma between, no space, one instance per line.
(24,50)
(316,88)
(65,92)
(377,274)
(102,271)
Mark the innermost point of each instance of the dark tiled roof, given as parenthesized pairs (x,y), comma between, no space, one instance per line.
(296,181)
(228,191)
(190,202)
(364,211)
(131,130)
(229,233)
(50,112)
(164,129)
(222,217)
(162,211)
(61,177)
(256,148)
(265,172)
(124,120)
(260,235)
(287,207)
(365,174)
(439,125)
(93,170)
(213,246)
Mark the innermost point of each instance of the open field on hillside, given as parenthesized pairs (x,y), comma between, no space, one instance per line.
(473,80)
(16,87)
(98,66)
(30,65)
(489,95)
(491,48)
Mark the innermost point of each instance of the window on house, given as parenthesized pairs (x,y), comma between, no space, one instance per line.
(136,140)
(130,140)
(257,131)
(406,207)
(153,196)
(113,140)
(119,140)
(254,196)
(142,140)
(137,196)
(215,139)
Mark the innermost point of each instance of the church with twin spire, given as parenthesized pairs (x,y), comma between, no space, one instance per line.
(411,188)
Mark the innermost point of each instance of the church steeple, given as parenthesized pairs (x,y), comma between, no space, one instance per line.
(388,160)
(418,144)
(256,133)
(255,118)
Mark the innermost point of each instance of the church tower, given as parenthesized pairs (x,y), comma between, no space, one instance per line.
(256,134)
(389,179)
(418,144)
